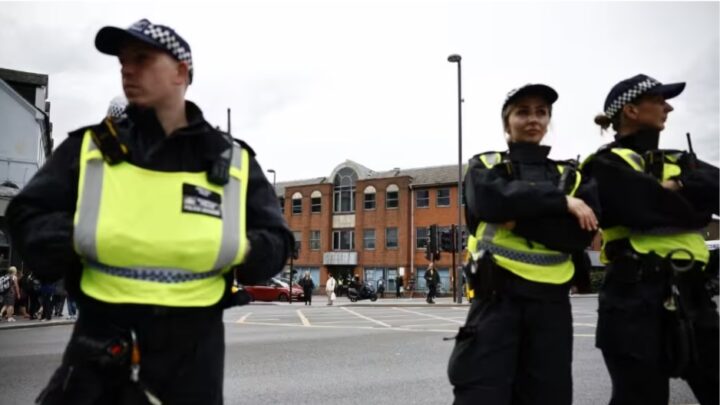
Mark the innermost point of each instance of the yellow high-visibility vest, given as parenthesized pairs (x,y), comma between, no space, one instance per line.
(661,241)
(527,259)
(158,238)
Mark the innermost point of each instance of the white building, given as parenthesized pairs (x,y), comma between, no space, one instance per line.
(25,139)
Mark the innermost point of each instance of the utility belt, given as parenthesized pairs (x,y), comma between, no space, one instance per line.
(628,266)
(491,281)
(114,355)
(677,279)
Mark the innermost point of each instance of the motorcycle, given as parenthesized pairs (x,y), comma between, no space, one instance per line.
(365,292)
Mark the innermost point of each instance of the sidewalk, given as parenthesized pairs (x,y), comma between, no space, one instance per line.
(22,322)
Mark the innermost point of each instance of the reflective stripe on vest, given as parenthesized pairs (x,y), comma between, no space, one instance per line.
(630,157)
(510,251)
(661,240)
(491,159)
(156,251)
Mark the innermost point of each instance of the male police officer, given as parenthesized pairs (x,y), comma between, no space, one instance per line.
(145,216)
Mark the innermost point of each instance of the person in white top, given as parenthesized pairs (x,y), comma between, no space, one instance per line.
(330,289)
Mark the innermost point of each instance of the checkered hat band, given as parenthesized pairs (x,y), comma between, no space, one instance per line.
(168,39)
(630,95)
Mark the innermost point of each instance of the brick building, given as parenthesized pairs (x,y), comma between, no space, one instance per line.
(372,224)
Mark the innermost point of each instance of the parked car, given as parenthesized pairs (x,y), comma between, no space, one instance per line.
(287,282)
(273,290)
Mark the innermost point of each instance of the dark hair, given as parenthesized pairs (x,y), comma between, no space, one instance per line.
(604,122)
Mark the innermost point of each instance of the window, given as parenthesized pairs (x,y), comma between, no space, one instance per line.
(297,203)
(281,201)
(391,238)
(443,197)
(344,191)
(369,239)
(392,196)
(298,239)
(421,237)
(422,198)
(344,239)
(315,201)
(314,240)
(369,201)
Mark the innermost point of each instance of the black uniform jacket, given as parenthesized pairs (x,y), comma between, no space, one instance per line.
(40,217)
(526,190)
(637,200)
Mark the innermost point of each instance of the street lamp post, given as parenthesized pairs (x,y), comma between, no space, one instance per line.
(273,173)
(455,58)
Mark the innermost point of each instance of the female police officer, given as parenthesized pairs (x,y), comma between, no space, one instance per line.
(528,214)
(653,203)
(159,206)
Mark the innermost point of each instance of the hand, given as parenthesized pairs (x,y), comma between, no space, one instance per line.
(671,184)
(585,215)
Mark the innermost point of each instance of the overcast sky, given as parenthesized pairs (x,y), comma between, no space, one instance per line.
(311,84)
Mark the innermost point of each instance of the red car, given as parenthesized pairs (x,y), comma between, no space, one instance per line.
(272,290)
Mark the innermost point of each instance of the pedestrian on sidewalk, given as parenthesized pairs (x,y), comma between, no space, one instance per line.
(330,289)
(72,308)
(308,285)
(58,298)
(381,288)
(432,279)
(32,285)
(46,293)
(399,287)
(10,295)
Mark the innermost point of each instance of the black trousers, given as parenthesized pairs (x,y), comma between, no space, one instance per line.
(515,349)
(432,291)
(635,335)
(182,360)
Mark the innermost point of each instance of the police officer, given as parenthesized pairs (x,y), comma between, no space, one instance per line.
(145,216)
(527,214)
(655,321)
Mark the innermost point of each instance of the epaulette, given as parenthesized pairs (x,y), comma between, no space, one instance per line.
(105,137)
(490,158)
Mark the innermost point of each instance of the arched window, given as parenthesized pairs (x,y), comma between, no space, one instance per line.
(392,196)
(316,201)
(369,198)
(344,191)
(297,203)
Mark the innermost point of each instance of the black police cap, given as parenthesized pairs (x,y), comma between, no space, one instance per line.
(109,39)
(630,89)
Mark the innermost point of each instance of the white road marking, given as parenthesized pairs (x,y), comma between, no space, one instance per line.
(429,316)
(592,325)
(367,318)
(304,320)
(244,317)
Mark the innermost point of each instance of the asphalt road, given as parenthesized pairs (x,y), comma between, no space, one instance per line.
(293,354)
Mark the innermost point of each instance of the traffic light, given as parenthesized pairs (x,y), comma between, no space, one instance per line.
(433,239)
(431,249)
(463,240)
(296,250)
(446,241)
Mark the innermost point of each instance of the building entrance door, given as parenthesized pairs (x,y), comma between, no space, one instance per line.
(343,275)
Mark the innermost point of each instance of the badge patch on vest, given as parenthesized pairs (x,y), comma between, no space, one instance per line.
(199,200)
